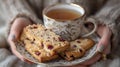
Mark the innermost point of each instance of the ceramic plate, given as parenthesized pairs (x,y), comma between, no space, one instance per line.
(60,62)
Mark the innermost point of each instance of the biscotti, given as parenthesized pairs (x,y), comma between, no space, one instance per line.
(39,40)
(41,54)
(85,43)
(77,48)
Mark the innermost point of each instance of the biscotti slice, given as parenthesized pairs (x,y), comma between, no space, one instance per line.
(40,54)
(74,52)
(46,38)
(24,38)
(85,43)
(77,48)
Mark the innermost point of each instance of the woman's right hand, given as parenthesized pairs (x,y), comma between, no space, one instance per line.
(15,32)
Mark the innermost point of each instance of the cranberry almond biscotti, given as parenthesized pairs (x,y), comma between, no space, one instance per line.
(77,48)
(41,54)
(42,43)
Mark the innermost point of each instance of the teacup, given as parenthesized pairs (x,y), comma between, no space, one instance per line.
(66,20)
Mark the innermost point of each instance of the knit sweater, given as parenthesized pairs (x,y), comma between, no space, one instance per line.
(104,11)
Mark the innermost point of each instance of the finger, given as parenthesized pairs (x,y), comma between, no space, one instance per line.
(11,41)
(18,26)
(105,40)
(11,38)
(15,30)
(100,48)
(13,47)
(15,52)
(92,60)
(100,30)
(107,51)
(102,44)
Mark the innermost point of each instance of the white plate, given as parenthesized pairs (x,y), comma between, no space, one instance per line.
(60,62)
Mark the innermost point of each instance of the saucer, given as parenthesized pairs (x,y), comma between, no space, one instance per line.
(59,62)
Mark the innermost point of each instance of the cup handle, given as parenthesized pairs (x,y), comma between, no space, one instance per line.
(95,27)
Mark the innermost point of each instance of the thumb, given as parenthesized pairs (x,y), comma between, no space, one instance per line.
(15,30)
(105,40)
(12,40)
(18,26)
(103,44)
(100,47)
(13,36)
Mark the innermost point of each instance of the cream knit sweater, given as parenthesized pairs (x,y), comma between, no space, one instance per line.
(105,11)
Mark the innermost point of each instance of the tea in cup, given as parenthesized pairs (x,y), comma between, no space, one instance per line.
(66,20)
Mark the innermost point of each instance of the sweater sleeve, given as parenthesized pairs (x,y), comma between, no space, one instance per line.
(12,9)
(90,6)
(109,15)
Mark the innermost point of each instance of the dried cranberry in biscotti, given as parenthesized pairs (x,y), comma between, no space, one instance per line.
(80,50)
(37,53)
(27,39)
(35,27)
(43,44)
(74,46)
(32,42)
(45,29)
(78,42)
(50,47)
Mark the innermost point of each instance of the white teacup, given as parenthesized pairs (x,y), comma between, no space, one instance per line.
(67,20)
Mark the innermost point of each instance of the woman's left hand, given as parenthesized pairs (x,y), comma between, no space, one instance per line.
(103,46)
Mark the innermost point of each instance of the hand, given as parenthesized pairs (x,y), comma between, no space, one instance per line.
(104,43)
(103,46)
(15,32)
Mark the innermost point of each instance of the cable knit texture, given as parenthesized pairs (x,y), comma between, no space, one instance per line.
(105,12)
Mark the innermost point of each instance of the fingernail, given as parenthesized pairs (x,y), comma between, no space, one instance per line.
(13,37)
(101,48)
